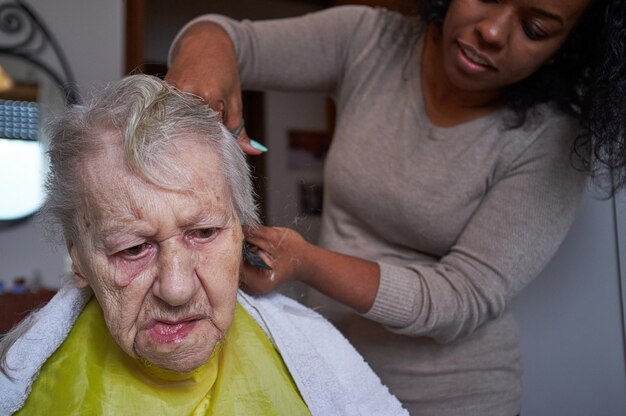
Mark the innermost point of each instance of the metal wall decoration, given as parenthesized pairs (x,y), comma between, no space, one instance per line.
(24,35)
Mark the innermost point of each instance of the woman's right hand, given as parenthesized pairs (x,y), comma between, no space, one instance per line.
(204,63)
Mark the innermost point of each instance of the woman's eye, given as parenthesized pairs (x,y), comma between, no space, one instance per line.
(532,31)
(204,233)
(135,251)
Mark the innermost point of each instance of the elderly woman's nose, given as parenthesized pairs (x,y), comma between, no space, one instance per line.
(495,27)
(176,282)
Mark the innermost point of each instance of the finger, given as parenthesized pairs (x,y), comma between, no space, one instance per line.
(217,105)
(210,95)
(260,237)
(233,120)
(249,147)
(262,248)
(248,230)
(246,144)
(213,100)
(233,109)
(267,258)
(172,77)
(267,238)
(239,130)
(258,281)
(189,85)
(252,256)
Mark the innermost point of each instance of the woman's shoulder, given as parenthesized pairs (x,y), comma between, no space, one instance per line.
(550,126)
(366,12)
(544,143)
(544,124)
(388,26)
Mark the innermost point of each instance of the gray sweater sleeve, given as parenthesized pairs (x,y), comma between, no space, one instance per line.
(517,228)
(304,53)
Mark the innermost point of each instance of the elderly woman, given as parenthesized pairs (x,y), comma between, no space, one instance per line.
(151,192)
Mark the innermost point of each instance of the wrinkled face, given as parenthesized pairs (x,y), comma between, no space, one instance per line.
(490,44)
(163,264)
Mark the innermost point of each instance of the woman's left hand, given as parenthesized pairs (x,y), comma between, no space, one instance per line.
(284,250)
(347,279)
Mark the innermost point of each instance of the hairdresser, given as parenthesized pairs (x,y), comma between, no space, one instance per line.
(465,135)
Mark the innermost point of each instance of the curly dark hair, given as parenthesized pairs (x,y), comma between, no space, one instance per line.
(586,78)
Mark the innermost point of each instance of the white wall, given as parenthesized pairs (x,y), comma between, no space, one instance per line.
(570,323)
(620,218)
(285,112)
(91,34)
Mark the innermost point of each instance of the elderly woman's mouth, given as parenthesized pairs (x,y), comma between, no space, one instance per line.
(164,332)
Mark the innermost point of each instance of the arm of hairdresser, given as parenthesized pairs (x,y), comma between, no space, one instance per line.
(213,53)
(518,226)
(214,56)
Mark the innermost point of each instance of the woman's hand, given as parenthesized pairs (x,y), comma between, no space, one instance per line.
(284,250)
(347,279)
(204,63)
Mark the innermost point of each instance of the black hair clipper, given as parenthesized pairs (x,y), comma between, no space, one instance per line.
(251,257)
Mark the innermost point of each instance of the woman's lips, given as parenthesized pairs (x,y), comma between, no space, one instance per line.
(472,61)
(171,332)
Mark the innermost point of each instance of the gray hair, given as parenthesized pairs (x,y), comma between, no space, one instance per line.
(151,117)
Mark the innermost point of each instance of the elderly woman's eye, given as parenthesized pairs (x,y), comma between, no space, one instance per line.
(135,251)
(204,233)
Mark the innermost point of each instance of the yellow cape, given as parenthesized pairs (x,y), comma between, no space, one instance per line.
(90,375)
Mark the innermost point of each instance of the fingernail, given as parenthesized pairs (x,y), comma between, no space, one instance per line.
(257,145)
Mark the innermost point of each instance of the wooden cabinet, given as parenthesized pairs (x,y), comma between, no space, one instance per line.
(15,307)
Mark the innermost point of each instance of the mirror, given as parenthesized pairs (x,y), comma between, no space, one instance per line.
(24,108)
(35,81)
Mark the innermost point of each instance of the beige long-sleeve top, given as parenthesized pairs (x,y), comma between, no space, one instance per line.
(460,219)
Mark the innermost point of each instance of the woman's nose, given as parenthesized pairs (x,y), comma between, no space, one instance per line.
(495,27)
(176,282)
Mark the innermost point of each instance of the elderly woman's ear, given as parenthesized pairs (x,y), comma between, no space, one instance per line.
(79,279)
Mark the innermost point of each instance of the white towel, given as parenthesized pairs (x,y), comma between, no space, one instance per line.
(332,377)
(50,327)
